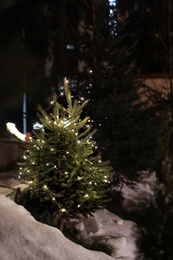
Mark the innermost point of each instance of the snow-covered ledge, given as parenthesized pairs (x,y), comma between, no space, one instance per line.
(22,237)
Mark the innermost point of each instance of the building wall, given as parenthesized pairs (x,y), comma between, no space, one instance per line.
(157,85)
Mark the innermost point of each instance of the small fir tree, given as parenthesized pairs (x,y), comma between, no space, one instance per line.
(67,177)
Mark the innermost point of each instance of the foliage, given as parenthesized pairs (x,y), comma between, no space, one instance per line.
(155,231)
(66,174)
(99,245)
(106,63)
(108,79)
(130,134)
(96,243)
(127,126)
(154,40)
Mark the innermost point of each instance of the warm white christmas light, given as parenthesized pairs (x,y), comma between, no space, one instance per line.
(66,80)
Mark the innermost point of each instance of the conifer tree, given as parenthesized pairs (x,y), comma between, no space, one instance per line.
(103,68)
(66,174)
(125,124)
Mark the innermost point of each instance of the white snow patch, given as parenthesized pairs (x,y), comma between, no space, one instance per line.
(24,238)
(118,232)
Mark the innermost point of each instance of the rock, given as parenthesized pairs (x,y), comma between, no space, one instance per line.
(119,242)
(80,226)
(120,222)
(91,225)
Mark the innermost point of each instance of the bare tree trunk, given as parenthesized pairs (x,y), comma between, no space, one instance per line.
(61,224)
(170,45)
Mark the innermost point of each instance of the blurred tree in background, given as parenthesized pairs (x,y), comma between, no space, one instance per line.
(154,216)
(127,126)
(150,26)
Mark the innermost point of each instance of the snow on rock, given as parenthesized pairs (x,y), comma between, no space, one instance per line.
(142,188)
(37,241)
(24,238)
(119,233)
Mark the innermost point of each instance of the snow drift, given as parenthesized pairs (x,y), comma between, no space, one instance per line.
(24,238)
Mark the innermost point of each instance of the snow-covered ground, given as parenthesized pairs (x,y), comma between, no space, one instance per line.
(142,190)
(23,238)
(119,233)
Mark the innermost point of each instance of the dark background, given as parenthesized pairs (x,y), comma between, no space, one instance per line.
(34,31)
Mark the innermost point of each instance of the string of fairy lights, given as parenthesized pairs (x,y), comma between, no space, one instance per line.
(65,123)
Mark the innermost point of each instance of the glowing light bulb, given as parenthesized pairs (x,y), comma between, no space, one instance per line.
(66,80)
